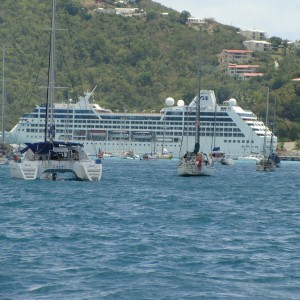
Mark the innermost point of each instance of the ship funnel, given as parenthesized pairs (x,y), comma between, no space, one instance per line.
(207,100)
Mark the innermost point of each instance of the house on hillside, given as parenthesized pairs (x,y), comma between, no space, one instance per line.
(256,45)
(252,34)
(195,21)
(124,11)
(243,71)
(296,44)
(234,56)
(100,10)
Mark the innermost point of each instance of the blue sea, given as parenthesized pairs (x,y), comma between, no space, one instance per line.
(143,232)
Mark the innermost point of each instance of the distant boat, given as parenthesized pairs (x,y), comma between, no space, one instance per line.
(50,158)
(149,156)
(155,156)
(129,155)
(274,155)
(228,161)
(251,157)
(195,163)
(219,156)
(266,163)
(164,155)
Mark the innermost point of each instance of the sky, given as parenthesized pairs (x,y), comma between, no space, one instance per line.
(280,18)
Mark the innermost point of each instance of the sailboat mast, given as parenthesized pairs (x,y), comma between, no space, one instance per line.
(266,126)
(164,132)
(273,127)
(51,81)
(3,96)
(197,120)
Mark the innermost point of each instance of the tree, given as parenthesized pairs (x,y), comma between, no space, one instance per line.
(275,41)
(184,16)
(297,146)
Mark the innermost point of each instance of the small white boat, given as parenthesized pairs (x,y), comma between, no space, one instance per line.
(149,156)
(165,154)
(129,155)
(218,156)
(228,161)
(251,157)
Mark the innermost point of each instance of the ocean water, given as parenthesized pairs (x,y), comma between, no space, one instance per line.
(142,232)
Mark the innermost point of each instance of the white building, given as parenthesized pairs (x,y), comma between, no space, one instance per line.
(256,45)
(195,21)
(252,34)
(243,71)
(234,56)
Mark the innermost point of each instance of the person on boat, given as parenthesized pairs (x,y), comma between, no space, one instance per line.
(205,159)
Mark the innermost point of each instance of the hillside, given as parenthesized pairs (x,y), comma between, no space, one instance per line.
(135,62)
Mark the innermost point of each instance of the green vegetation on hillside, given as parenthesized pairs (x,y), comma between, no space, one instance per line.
(135,62)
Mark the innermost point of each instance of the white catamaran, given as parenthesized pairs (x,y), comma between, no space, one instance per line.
(47,159)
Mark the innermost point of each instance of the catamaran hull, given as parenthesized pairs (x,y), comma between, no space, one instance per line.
(31,170)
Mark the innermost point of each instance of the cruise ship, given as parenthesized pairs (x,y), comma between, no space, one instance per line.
(236,131)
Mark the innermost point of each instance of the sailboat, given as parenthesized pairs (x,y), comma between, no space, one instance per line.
(153,154)
(266,163)
(217,155)
(5,149)
(274,155)
(165,153)
(50,158)
(196,163)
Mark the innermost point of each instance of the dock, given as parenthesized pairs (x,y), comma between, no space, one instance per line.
(289,158)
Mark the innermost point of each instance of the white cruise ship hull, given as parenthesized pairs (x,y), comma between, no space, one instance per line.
(236,131)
